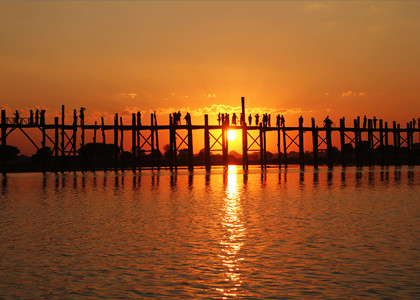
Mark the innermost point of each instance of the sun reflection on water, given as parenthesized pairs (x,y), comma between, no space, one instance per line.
(234,235)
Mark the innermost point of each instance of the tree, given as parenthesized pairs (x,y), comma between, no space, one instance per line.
(10,152)
(41,153)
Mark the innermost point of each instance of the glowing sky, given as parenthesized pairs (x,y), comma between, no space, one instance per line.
(292,57)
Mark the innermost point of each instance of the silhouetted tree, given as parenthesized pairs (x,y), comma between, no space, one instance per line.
(10,152)
(44,152)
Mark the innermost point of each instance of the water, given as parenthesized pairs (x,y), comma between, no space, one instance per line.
(227,234)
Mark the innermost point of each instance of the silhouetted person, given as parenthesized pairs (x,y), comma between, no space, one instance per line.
(138,118)
(364,121)
(31,117)
(178,117)
(374,121)
(188,118)
(269,120)
(42,116)
(234,119)
(414,123)
(74,117)
(219,118)
(250,119)
(242,120)
(227,119)
(36,117)
(82,115)
(17,117)
(300,120)
(257,117)
(282,121)
(264,120)
(278,121)
(327,122)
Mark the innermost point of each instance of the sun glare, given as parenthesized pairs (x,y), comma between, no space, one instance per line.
(231,135)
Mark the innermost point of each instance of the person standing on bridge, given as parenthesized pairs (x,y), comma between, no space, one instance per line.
(42,116)
(234,119)
(250,119)
(257,117)
(31,117)
(278,121)
(17,117)
(37,117)
(282,122)
(327,122)
(74,117)
(188,118)
(139,118)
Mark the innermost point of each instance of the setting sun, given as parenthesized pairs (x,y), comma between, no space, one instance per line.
(231,135)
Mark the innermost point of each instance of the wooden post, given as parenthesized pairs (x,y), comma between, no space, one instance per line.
(315,143)
(284,147)
(44,164)
(278,146)
(74,143)
(175,147)
(381,142)
(409,158)
(262,154)
(357,142)
(399,144)
(122,145)
(93,156)
(152,142)
(225,145)
(3,141)
(386,131)
(329,145)
(56,143)
(244,146)
(104,144)
(370,142)
(190,148)
(243,109)
(343,142)
(244,137)
(301,148)
(139,153)
(171,143)
(63,154)
(207,161)
(82,127)
(116,149)
(157,142)
(396,142)
(133,142)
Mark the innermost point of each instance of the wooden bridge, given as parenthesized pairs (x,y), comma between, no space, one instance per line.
(377,148)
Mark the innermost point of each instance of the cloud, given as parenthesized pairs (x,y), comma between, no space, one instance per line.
(352,94)
(128,95)
(346,94)
(222,108)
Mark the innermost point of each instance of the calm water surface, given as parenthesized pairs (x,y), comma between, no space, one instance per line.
(351,233)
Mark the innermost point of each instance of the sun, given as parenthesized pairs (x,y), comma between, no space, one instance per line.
(231,135)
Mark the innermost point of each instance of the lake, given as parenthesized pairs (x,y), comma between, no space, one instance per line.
(340,234)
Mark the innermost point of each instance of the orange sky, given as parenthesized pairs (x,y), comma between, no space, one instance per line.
(290,57)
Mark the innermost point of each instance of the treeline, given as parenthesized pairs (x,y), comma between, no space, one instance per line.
(100,156)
